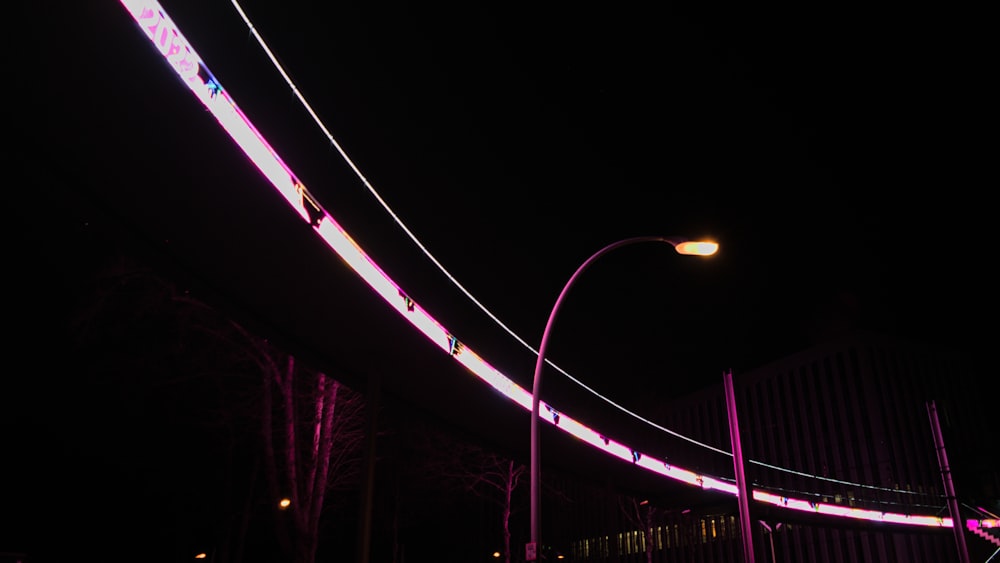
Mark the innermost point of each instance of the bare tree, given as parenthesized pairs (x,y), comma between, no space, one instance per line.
(311,426)
(641,515)
(471,468)
(313,431)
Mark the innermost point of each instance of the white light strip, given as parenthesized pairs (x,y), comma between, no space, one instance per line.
(183,59)
(333,141)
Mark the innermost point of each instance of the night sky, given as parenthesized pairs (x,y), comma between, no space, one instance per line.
(839,157)
(835,155)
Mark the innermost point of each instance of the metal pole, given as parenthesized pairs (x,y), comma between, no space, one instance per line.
(770,536)
(743,500)
(531,549)
(949,487)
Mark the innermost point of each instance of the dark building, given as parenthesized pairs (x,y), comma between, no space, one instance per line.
(844,423)
(847,422)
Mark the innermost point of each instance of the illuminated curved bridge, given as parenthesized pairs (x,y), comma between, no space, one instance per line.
(207,89)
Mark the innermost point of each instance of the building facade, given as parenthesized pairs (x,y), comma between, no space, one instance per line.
(847,422)
(843,423)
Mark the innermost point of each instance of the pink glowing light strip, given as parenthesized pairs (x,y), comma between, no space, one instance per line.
(167,38)
(988,523)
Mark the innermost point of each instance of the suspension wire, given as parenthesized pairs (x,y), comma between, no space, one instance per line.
(329,136)
(839,481)
(981,511)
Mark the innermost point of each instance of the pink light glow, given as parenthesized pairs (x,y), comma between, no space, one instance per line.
(176,50)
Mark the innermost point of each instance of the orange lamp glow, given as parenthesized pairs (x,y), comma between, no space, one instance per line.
(697,248)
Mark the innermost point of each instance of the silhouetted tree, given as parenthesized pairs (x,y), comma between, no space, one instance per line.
(641,515)
(228,380)
(313,430)
(461,465)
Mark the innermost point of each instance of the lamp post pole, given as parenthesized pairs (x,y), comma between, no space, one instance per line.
(949,487)
(681,246)
(743,496)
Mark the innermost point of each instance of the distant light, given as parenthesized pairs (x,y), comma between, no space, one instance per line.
(201,556)
(496,555)
(284,503)
(697,248)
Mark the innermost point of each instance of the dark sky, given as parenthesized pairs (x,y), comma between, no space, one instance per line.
(835,155)
(838,155)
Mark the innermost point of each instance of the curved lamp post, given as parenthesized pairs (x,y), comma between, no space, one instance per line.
(682,246)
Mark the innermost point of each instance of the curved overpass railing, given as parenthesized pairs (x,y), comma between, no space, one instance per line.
(167,38)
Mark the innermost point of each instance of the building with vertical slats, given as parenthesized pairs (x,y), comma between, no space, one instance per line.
(847,422)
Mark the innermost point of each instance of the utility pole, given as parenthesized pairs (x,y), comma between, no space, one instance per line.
(746,528)
(949,487)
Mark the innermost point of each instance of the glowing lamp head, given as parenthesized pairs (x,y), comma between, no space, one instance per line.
(697,248)
(284,503)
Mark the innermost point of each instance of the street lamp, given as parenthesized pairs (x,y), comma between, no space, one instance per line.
(681,246)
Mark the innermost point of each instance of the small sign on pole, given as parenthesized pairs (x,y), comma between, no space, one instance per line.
(529,551)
